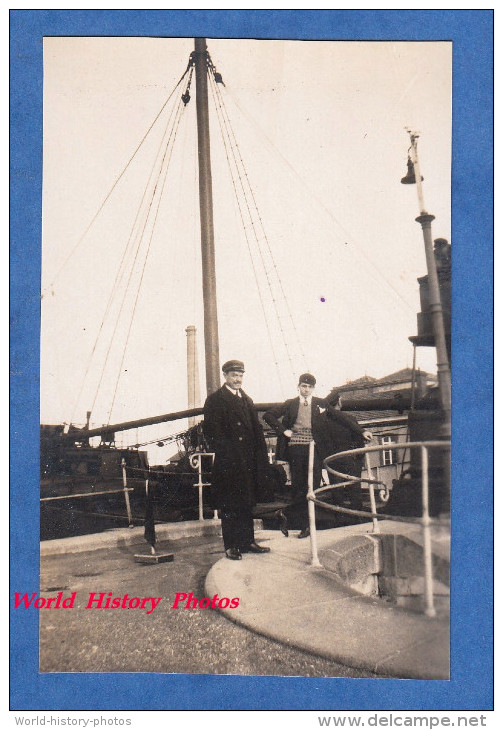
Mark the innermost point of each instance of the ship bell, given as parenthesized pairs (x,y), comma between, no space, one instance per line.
(410,177)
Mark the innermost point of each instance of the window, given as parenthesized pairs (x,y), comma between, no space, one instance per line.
(388,456)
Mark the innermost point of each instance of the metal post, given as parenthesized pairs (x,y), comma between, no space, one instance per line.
(444,374)
(375,521)
(152,547)
(413,384)
(425,219)
(312,509)
(126,492)
(437,319)
(426,522)
(206,214)
(196,463)
(201,511)
(200,487)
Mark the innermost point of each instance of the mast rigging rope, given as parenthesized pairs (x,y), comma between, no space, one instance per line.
(119,277)
(266,239)
(166,158)
(226,148)
(118,178)
(348,236)
(254,227)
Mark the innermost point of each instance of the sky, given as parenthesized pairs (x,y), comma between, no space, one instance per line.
(321,130)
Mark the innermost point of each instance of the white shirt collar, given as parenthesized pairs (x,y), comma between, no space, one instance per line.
(234,392)
(309,399)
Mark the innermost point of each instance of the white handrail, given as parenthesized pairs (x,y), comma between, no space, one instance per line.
(428,568)
(425,520)
(311,509)
(375,523)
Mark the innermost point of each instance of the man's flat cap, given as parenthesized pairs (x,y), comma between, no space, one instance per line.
(307,378)
(236,365)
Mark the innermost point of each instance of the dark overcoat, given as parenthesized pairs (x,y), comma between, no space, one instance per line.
(234,433)
(342,432)
(332,430)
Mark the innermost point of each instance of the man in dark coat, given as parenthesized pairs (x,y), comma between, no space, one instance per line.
(234,433)
(298,421)
(342,432)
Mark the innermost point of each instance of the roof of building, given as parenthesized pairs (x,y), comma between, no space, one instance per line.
(364,380)
(400,376)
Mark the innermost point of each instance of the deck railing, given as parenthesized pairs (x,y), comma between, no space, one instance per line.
(425,520)
(196,462)
(125,491)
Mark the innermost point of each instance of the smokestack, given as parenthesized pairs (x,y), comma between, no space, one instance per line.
(193,389)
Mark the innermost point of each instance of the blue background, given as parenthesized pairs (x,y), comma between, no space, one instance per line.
(470,687)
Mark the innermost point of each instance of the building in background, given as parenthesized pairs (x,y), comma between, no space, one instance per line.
(388,426)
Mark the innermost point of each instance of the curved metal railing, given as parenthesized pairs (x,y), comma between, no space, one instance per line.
(124,490)
(425,520)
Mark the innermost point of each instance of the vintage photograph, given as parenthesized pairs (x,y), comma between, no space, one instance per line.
(245,357)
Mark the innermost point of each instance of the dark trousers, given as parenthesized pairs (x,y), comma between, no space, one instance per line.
(237,527)
(352,493)
(298,458)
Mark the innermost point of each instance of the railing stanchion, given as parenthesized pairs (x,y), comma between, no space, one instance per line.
(375,521)
(126,492)
(200,488)
(426,522)
(201,510)
(311,509)
(196,460)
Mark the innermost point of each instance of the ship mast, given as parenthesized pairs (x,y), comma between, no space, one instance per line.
(211,350)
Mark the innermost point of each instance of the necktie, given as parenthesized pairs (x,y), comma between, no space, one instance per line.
(305,402)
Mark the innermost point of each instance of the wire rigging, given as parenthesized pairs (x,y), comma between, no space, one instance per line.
(253,225)
(115,183)
(331,215)
(142,212)
(241,213)
(156,192)
(119,277)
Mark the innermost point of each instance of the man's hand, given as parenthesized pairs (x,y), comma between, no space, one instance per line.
(288,433)
(367,435)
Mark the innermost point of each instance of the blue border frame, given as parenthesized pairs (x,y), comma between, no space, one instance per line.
(470,687)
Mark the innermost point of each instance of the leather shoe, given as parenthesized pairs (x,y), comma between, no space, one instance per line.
(233,554)
(254,548)
(282,521)
(304,533)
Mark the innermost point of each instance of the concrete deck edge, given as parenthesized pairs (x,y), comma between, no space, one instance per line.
(401,660)
(132,536)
